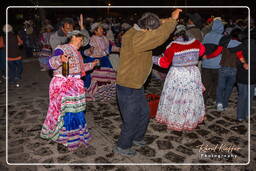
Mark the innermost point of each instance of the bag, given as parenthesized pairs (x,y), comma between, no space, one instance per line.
(153,101)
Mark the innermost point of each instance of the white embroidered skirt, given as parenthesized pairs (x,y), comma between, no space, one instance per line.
(181,105)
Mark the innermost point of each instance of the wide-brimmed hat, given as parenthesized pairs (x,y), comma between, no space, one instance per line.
(77,32)
(125,26)
(179,28)
(48,26)
(94,26)
(7,28)
(196,19)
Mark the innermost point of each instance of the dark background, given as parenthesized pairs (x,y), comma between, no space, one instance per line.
(233,13)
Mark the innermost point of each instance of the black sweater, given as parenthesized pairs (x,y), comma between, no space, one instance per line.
(242,74)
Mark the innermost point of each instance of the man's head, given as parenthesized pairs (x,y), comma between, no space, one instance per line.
(195,19)
(67,25)
(149,21)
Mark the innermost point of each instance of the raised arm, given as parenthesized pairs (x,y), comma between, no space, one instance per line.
(148,40)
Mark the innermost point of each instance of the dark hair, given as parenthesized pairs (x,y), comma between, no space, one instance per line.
(70,37)
(235,33)
(67,20)
(183,34)
(149,21)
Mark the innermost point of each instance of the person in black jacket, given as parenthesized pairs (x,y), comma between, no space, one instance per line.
(242,77)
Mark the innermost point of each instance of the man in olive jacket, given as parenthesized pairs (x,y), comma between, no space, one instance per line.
(134,68)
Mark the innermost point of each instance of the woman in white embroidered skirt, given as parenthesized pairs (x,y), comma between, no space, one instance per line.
(181,105)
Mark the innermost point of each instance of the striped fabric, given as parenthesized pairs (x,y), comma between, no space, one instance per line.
(100,84)
(44,56)
(103,85)
(65,121)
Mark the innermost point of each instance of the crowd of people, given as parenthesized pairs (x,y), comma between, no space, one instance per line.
(109,58)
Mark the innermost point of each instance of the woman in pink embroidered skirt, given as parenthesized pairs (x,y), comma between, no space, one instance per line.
(65,121)
(181,105)
(100,84)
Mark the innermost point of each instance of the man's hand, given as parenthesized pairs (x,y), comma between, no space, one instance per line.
(81,22)
(176,13)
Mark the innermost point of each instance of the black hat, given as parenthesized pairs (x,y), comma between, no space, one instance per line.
(195,18)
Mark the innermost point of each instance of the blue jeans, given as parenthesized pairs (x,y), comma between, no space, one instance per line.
(226,81)
(15,69)
(242,105)
(134,110)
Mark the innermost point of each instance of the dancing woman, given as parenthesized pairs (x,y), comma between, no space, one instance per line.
(181,105)
(65,121)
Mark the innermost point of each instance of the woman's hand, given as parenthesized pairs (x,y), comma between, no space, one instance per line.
(95,62)
(64,58)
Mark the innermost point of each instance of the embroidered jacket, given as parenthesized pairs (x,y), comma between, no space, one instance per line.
(76,65)
(101,47)
(180,53)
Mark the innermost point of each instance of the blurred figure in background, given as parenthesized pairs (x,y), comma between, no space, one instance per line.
(15,66)
(46,50)
(101,82)
(2,58)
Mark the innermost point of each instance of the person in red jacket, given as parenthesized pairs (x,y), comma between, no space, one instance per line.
(181,105)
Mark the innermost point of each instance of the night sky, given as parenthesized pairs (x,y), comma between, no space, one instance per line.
(235,13)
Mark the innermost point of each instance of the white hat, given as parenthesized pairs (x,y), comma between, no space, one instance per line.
(126,26)
(8,29)
(179,28)
(217,18)
(48,26)
(76,32)
(94,26)
(105,26)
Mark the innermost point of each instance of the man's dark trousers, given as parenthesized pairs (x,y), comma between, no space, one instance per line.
(134,110)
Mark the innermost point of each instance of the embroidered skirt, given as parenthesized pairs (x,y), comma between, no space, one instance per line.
(44,56)
(181,105)
(100,83)
(65,121)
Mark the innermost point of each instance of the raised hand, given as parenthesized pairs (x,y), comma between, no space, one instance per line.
(176,14)
(81,22)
